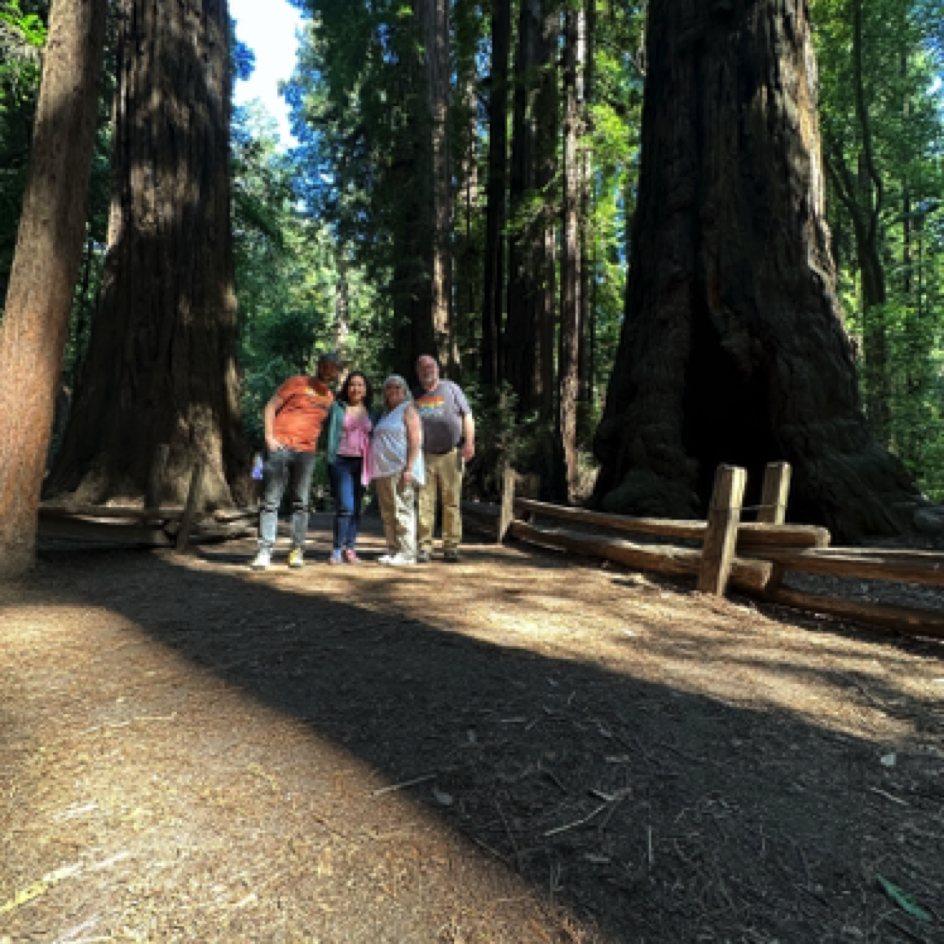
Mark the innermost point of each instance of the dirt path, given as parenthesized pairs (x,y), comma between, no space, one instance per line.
(515,749)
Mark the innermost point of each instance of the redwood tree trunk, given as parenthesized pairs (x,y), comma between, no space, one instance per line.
(732,348)
(545,156)
(412,201)
(161,366)
(434,27)
(342,300)
(48,252)
(464,122)
(570,304)
(526,236)
(496,194)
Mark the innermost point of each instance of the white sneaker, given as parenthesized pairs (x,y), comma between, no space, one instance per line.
(263,561)
(398,560)
(296,558)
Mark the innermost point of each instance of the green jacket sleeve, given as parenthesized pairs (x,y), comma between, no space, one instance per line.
(335,426)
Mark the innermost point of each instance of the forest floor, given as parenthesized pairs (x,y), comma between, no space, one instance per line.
(512,750)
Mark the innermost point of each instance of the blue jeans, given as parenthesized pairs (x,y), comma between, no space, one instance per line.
(293,469)
(348,493)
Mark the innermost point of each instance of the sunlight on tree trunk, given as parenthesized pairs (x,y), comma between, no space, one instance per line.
(571,306)
(48,254)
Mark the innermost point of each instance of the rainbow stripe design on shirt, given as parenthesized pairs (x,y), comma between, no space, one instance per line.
(431,404)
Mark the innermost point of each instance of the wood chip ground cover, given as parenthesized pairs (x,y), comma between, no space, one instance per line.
(514,749)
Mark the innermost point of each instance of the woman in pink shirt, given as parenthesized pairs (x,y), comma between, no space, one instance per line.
(348,454)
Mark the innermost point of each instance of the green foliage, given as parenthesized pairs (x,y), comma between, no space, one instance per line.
(499,438)
(898,122)
(287,273)
(22,36)
(356,104)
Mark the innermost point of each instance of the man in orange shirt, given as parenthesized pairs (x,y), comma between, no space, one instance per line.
(293,421)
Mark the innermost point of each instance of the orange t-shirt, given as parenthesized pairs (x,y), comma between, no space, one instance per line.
(305,404)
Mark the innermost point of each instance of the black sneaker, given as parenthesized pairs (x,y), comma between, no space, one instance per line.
(451,556)
(422,557)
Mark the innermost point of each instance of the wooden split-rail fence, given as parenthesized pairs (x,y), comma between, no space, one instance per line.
(752,557)
(154,525)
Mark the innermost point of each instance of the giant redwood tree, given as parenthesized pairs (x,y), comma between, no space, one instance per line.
(161,366)
(48,252)
(732,348)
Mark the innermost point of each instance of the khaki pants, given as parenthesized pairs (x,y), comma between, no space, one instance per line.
(398,510)
(443,478)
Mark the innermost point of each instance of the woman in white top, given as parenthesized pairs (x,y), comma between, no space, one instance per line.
(395,468)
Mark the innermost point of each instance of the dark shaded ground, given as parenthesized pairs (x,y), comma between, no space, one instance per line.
(516,749)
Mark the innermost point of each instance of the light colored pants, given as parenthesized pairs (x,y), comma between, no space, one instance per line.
(398,510)
(443,479)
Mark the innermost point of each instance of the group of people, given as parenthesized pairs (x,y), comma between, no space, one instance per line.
(412,449)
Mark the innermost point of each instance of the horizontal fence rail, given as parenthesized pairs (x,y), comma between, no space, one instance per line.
(749,533)
(752,556)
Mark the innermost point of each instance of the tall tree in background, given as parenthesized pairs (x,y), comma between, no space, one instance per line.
(520,346)
(371,95)
(882,127)
(496,213)
(733,349)
(862,192)
(161,363)
(529,354)
(45,266)
(433,17)
(465,141)
(545,177)
(571,304)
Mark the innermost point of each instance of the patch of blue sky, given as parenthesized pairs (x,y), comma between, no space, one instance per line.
(270,31)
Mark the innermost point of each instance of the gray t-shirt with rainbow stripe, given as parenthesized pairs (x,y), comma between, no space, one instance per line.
(441,410)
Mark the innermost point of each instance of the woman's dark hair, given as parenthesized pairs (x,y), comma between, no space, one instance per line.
(369,393)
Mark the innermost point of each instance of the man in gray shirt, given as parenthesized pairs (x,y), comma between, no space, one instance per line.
(448,442)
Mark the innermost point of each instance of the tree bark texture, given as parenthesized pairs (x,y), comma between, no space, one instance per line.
(161,366)
(464,122)
(45,267)
(526,235)
(585,91)
(732,349)
(545,147)
(570,305)
(342,300)
(412,194)
(496,190)
(434,26)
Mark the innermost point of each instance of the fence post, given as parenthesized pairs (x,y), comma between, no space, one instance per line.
(724,515)
(190,509)
(507,513)
(775,492)
(773,510)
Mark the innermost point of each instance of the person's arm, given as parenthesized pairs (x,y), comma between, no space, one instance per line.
(414,439)
(268,417)
(468,436)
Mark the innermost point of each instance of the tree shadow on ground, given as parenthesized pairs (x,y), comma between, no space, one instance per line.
(653,812)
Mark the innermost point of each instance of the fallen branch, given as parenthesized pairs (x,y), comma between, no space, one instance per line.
(403,785)
(576,823)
